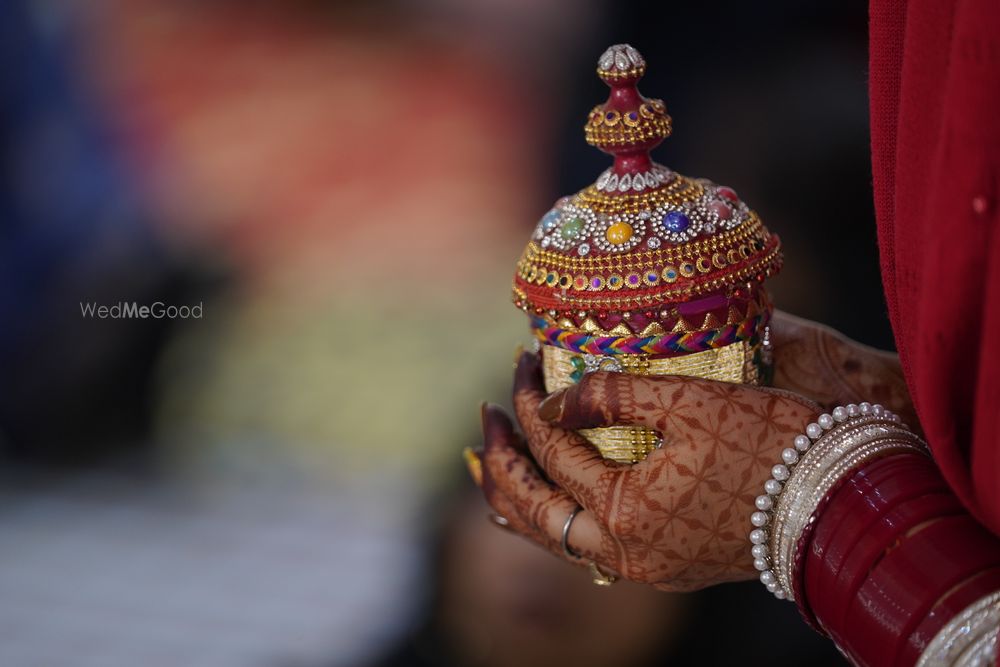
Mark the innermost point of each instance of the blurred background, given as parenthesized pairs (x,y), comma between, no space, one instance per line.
(343,189)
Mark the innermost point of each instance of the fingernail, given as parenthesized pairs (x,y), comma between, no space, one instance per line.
(551,408)
(527,367)
(474,462)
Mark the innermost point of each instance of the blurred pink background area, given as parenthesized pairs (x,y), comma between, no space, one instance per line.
(368,185)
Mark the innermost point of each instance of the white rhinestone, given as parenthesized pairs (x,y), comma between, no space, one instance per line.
(547,241)
(840,413)
(624,183)
(852,410)
(825,421)
(780,472)
(633,55)
(878,410)
(767,577)
(758,519)
(638,182)
(802,442)
(583,249)
(759,551)
(789,456)
(602,180)
(758,536)
(764,502)
(814,430)
(760,564)
(612,183)
(607,60)
(653,242)
(772,486)
(865,408)
(621,61)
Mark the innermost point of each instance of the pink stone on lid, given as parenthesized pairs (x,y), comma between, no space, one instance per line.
(721,209)
(728,193)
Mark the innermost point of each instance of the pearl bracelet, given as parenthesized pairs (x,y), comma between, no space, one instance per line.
(834,444)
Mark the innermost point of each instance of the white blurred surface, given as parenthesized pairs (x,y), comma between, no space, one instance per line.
(112,570)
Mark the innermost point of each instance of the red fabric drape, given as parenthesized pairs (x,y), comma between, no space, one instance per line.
(935,120)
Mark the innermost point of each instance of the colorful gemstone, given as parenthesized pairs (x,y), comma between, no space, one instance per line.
(687,269)
(596,283)
(727,193)
(579,368)
(619,233)
(550,220)
(675,221)
(651,278)
(580,283)
(615,282)
(633,280)
(669,274)
(571,228)
(721,209)
(551,279)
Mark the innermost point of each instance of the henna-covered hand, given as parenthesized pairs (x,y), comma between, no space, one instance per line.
(678,520)
(815,361)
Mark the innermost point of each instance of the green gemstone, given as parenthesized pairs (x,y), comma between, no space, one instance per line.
(571,228)
(579,367)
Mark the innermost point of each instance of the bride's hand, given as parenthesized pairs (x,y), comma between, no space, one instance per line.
(813,360)
(678,520)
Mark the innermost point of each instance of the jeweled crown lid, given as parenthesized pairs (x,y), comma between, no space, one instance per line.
(645,258)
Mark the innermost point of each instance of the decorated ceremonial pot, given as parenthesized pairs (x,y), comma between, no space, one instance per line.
(646,271)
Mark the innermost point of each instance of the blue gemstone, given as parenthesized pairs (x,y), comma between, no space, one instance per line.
(550,220)
(675,221)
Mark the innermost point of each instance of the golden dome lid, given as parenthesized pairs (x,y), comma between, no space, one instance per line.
(644,251)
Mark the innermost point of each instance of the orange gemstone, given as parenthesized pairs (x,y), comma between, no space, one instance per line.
(619,233)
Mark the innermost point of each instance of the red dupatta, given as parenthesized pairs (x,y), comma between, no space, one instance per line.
(935,121)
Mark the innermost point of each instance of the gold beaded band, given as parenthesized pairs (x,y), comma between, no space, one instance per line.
(842,449)
(968,639)
(738,240)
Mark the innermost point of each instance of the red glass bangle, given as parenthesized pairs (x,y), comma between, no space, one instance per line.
(830,515)
(945,609)
(839,588)
(842,554)
(903,586)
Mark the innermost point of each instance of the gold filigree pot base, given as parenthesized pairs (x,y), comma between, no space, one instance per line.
(738,363)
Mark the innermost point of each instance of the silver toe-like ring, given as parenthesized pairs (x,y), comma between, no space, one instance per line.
(565,533)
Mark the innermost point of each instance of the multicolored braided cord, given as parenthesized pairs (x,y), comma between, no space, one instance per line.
(671,344)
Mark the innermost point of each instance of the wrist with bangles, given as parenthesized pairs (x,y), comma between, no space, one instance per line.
(857,526)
